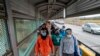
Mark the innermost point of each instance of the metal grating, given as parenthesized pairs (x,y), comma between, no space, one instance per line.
(4,45)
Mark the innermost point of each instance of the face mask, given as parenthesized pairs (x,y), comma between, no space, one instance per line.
(69,36)
(43,33)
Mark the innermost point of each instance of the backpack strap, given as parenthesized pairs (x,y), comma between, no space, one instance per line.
(75,47)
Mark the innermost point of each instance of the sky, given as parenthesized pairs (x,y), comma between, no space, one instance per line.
(89,16)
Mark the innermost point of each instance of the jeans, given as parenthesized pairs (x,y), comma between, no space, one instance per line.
(64,54)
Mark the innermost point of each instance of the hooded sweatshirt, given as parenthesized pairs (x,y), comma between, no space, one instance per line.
(43,46)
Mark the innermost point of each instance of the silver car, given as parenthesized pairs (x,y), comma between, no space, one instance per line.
(91,27)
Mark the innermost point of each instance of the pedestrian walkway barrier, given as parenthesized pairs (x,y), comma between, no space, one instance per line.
(4,41)
(86,51)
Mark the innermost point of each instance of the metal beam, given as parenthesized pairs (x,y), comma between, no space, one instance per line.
(45,4)
(70,2)
(45,1)
(51,4)
(11,29)
(88,12)
(47,9)
(63,2)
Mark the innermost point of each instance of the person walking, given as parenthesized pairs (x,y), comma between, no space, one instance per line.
(44,45)
(56,40)
(69,45)
(48,26)
(62,32)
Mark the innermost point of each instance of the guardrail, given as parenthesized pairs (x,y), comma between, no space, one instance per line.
(92,52)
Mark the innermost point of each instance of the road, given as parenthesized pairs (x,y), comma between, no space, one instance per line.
(91,40)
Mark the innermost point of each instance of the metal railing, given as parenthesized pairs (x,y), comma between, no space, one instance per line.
(96,53)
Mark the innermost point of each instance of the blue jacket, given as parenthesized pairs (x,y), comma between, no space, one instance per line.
(62,33)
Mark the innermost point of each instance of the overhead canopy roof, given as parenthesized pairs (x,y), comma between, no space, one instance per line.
(49,8)
(52,8)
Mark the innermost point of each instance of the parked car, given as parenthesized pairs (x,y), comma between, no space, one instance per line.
(91,27)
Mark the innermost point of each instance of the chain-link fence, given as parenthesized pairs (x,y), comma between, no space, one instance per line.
(4,45)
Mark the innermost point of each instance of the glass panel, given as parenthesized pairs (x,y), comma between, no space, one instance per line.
(39,22)
(26,45)
(24,28)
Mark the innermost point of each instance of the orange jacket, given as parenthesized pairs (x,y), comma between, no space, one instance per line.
(44,47)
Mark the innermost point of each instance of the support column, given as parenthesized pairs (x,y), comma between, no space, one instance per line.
(64,14)
(11,29)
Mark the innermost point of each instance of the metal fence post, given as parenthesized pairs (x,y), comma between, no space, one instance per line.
(11,29)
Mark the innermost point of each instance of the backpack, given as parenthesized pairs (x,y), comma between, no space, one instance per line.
(75,47)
